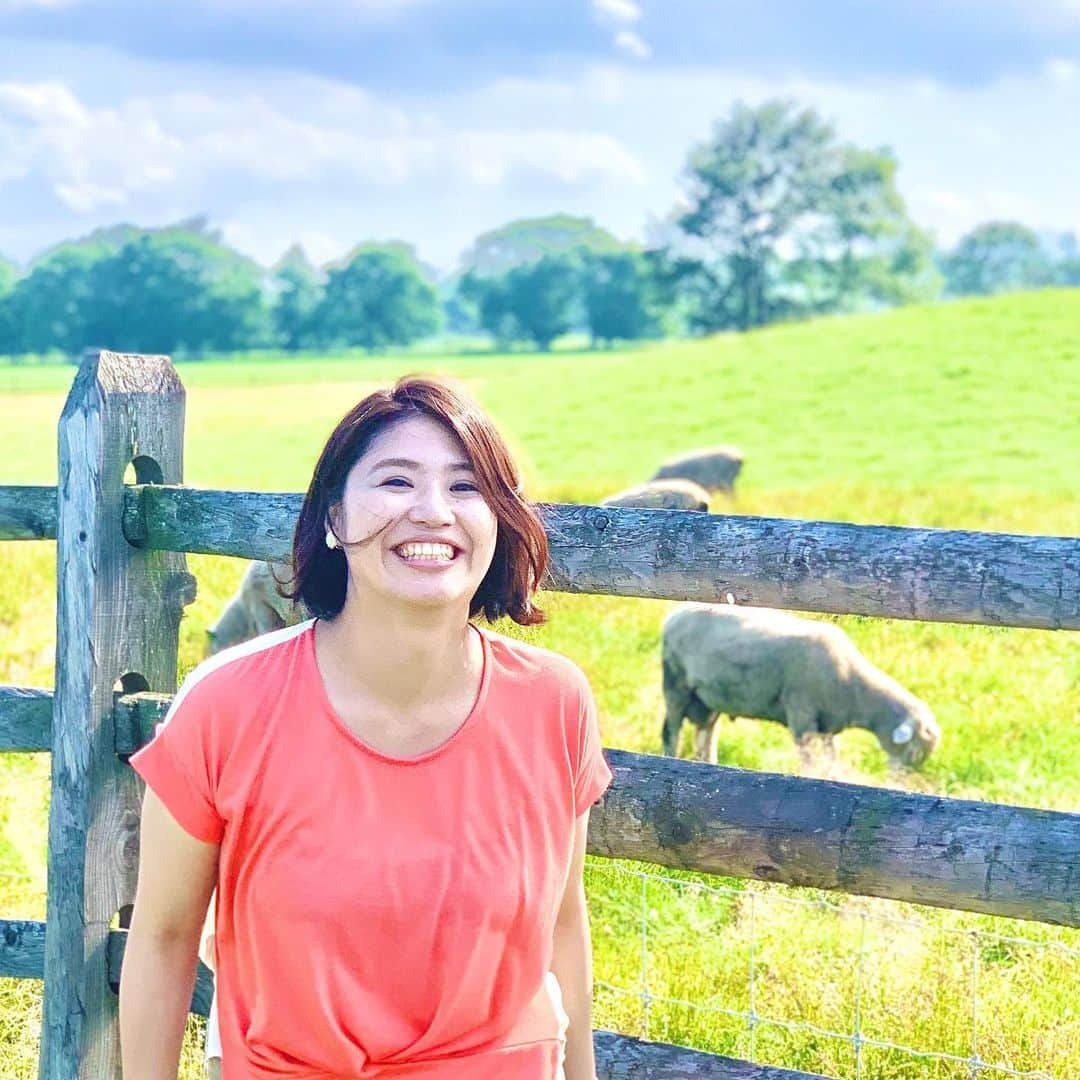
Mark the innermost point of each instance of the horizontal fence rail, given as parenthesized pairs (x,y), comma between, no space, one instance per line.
(938,575)
(22,956)
(25,719)
(27,513)
(935,574)
(963,854)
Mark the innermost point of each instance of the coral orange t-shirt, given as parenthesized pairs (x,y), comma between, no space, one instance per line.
(380,916)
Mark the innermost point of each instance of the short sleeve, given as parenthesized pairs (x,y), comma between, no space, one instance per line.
(177,763)
(593,774)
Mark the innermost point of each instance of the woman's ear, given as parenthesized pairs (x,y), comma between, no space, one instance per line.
(332,519)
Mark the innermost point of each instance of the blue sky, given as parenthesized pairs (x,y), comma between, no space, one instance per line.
(430,121)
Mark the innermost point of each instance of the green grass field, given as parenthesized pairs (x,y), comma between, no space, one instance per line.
(963,415)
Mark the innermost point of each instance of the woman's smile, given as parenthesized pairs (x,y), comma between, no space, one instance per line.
(427,557)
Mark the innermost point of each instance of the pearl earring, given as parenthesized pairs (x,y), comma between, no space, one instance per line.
(331,540)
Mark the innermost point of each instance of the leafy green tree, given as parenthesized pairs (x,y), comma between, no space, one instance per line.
(784,220)
(159,291)
(527,239)
(620,296)
(8,276)
(1067,261)
(994,257)
(298,290)
(488,299)
(47,308)
(170,290)
(541,297)
(379,297)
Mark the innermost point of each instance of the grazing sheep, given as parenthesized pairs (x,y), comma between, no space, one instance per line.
(256,607)
(769,665)
(714,468)
(663,495)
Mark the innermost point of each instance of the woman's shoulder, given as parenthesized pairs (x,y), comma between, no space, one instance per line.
(247,668)
(525,662)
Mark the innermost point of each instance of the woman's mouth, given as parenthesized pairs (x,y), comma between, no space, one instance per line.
(426,556)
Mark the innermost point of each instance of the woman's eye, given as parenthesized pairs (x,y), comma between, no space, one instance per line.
(401,480)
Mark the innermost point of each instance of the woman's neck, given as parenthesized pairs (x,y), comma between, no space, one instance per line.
(401,658)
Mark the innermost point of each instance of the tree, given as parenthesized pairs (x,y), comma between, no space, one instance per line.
(159,291)
(994,257)
(471,304)
(541,297)
(784,220)
(489,300)
(169,290)
(619,295)
(378,298)
(8,276)
(298,290)
(527,239)
(47,308)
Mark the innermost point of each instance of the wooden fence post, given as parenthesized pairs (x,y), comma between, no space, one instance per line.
(118,615)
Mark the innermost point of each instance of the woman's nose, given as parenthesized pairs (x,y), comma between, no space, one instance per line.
(431,504)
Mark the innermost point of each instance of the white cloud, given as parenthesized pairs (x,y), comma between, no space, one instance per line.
(94,158)
(298,158)
(951,202)
(16,5)
(631,44)
(89,157)
(1060,70)
(571,157)
(86,197)
(618,10)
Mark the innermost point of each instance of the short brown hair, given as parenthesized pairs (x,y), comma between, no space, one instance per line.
(521,549)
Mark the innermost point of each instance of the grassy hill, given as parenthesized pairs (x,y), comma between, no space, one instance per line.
(959,415)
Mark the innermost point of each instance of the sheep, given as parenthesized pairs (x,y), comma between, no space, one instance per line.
(663,495)
(256,607)
(770,665)
(714,468)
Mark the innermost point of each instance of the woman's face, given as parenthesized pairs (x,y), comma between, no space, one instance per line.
(416,480)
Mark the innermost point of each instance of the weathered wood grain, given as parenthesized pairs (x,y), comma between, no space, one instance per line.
(954,853)
(27,512)
(618,1057)
(25,719)
(944,575)
(136,717)
(22,956)
(118,613)
(22,949)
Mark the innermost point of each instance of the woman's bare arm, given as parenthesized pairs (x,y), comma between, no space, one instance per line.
(572,962)
(177,874)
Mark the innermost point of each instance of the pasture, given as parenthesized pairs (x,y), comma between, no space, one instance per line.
(958,416)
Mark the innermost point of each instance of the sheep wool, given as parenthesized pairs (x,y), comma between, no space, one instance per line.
(770,665)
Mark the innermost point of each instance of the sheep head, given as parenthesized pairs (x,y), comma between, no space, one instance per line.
(911,733)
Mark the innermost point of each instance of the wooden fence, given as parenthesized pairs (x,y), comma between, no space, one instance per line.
(122,523)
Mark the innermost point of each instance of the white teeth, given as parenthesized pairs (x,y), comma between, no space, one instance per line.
(439,552)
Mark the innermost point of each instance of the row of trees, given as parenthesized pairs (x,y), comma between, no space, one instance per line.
(781,220)
(181,289)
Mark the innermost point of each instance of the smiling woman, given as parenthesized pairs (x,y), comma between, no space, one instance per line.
(368,480)
(403,793)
